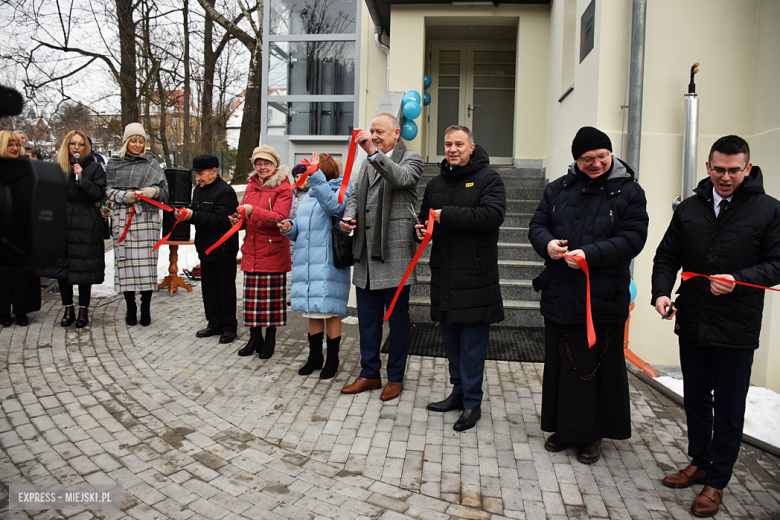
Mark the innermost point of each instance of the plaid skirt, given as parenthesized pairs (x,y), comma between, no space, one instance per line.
(265,299)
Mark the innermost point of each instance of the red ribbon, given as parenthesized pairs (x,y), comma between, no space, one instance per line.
(132,213)
(686,275)
(348,167)
(165,238)
(312,167)
(588,315)
(428,234)
(232,231)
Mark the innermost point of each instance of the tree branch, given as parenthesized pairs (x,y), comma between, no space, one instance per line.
(244,37)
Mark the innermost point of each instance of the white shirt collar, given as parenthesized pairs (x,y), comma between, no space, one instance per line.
(716,200)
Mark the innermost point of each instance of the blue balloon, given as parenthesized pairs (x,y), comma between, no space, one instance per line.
(412,110)
(408,130)
(426,99)
(632,291)
(427,81)
(412,95)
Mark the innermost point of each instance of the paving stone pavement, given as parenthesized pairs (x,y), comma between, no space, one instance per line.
(192,431)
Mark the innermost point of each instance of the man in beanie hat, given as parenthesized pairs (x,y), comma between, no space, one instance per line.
(213,201)
(596,211)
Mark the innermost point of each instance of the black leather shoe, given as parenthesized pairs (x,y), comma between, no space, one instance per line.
(227,337)
(452,402)
(468,419)
(6,320)
(553,444)
(208,332)
(21,320)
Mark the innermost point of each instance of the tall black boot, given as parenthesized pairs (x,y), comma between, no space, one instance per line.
(131,318)
(315,355)
(146,308)
(267,350)
(255,341)
(332,363)
(83,319)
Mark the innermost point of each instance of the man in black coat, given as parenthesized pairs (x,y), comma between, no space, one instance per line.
(730,229)
(213,201)
(469,203)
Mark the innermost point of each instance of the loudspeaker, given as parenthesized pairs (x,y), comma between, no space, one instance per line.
(179,187)
(32,213)
(182,231)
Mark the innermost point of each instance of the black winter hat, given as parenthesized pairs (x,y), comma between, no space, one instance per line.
(204,162)
(587,139)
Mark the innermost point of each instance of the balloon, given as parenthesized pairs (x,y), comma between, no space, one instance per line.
(408,130)
(632,291)
(426,99)
(411,95)
(412,110)
(427,81)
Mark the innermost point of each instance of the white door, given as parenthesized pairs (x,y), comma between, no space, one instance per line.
(473,84)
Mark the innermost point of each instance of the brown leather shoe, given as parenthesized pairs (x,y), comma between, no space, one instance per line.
(708,501)
(362,384)
(392,390)
(553,444)
(682,479)
(589,453)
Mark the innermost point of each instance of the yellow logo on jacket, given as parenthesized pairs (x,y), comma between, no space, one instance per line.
(469,184)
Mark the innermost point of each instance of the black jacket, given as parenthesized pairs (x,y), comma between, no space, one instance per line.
(84,258)
(744,243)
(464,258)
(607,218)
(212,205)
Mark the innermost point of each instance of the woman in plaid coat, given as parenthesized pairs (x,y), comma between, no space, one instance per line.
(135,264)
(265,253)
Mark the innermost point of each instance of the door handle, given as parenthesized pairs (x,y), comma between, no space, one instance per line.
(470,108)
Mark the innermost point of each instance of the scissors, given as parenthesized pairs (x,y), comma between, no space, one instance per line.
(414,215)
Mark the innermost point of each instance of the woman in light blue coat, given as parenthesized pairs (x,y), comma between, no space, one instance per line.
(319,289)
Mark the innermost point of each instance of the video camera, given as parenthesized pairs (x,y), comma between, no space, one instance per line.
(32,204)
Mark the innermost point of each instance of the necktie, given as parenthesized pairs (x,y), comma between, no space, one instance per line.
(722,205)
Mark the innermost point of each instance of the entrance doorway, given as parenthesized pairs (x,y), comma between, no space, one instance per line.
(473,84)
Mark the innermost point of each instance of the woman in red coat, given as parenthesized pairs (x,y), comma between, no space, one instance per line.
(265,257)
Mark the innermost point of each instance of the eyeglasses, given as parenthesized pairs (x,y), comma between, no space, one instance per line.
(587,161)
(731,171)
(77,145)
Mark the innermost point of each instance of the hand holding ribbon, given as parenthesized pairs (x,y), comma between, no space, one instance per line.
(687,275)
(140,196)
(588,314)
(312,167)
(232,231)
(428,234)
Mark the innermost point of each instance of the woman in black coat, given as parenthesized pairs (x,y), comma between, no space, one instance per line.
(83,262)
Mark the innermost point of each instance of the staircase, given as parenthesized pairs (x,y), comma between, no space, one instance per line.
(518,263)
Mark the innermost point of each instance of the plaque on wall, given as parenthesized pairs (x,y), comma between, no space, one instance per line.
(587,30)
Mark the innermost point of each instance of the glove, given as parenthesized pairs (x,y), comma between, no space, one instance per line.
(129,198)
(150,192)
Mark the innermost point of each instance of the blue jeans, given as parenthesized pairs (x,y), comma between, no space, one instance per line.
(371,307)
(466,346)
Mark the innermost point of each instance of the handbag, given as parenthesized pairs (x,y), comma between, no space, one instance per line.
(341,244)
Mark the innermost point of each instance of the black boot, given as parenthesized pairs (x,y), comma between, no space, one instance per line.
(69,317)
(332,363)
(315,355)
(267,350)
(146,311)
(131,318)
(255,339)
(83,320)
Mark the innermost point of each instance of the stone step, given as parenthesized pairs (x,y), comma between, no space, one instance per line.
(432,169)
(509,182)
(517,219)
(529,194)
(507,269)
(510,289)
(514,251)
(527,206)
(516,235)
(517,313)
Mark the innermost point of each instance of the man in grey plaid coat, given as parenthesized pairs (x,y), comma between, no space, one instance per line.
(378,210)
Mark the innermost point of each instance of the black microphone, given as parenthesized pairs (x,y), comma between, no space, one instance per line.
(77,156)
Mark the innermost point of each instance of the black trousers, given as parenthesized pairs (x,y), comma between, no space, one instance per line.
(66,292)
(715,422)
(218,279)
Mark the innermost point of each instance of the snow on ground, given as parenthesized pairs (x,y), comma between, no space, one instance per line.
(762,416)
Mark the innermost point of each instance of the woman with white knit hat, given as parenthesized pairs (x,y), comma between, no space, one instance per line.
(135,170)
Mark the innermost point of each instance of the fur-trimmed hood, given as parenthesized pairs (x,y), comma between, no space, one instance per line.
(274,180)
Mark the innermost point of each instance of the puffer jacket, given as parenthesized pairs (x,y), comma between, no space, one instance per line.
(317,286)
(745,243)
(464,258)
(265,249)
(607,219)
(83,261)
(213,204)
